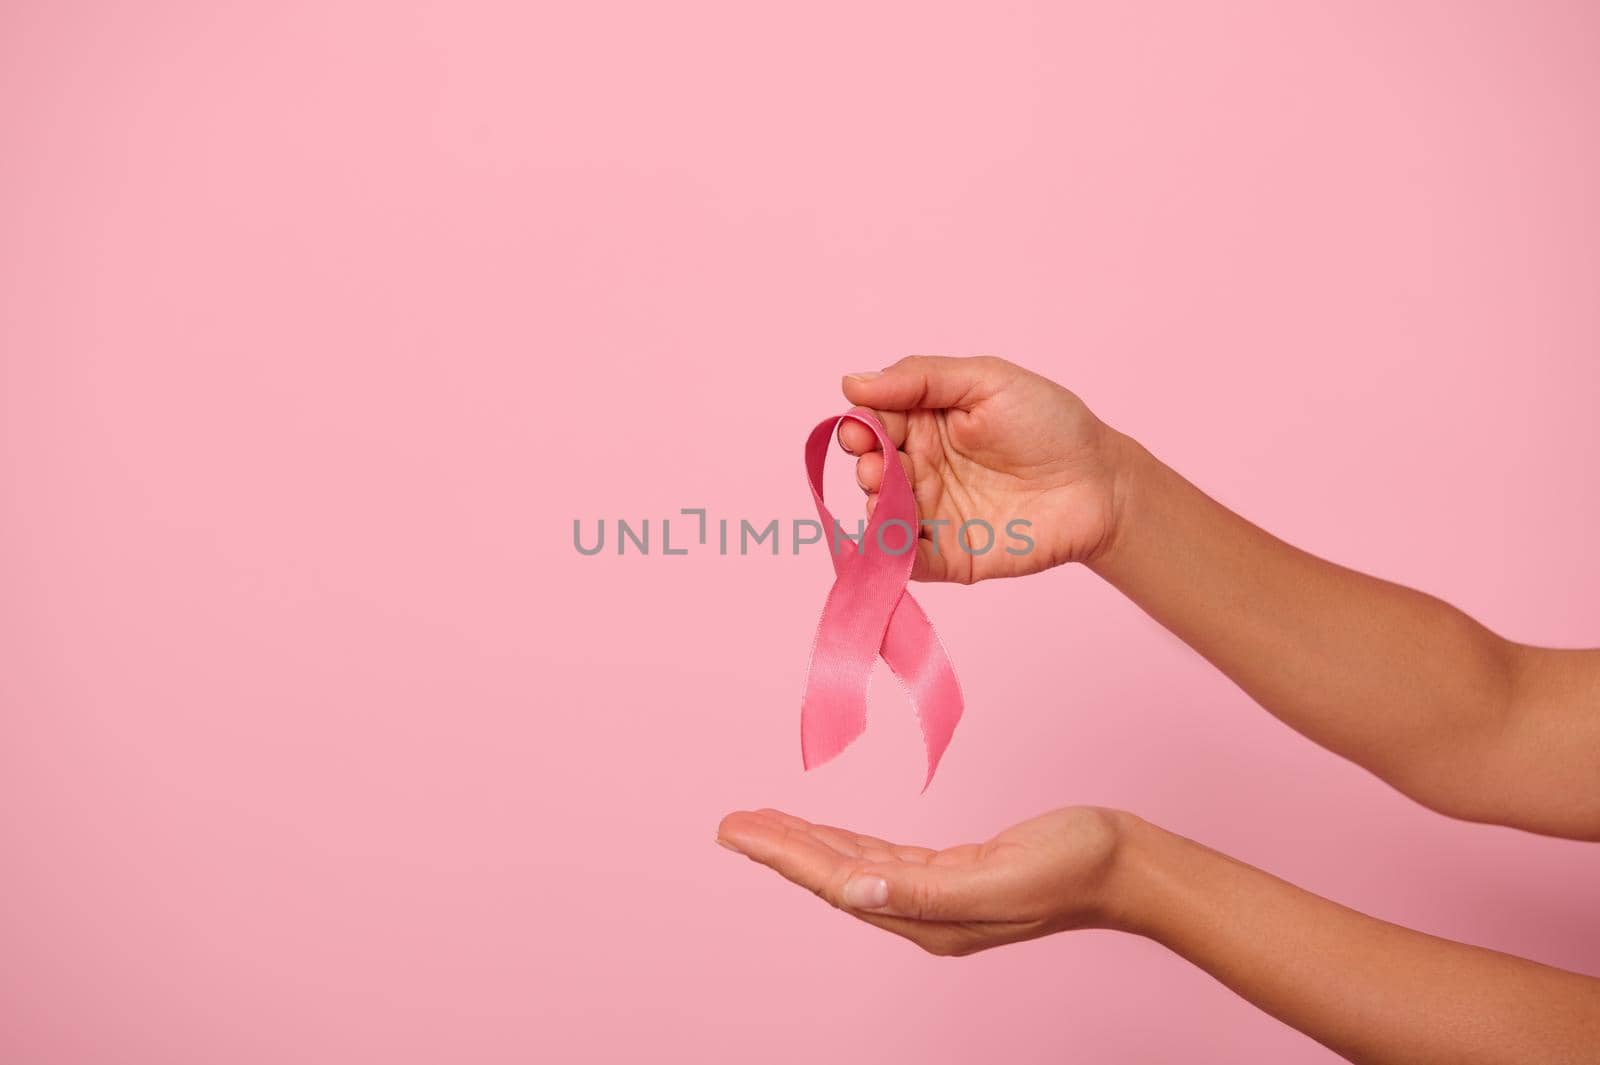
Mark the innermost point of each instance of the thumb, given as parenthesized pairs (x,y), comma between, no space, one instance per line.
(932,381)
(926,892)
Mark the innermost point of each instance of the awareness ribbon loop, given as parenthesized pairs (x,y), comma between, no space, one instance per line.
(868,612)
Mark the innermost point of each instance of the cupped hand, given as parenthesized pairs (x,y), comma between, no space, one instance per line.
(1046,875)
(983,440)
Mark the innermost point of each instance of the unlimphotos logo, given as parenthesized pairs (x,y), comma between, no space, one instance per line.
(743,537)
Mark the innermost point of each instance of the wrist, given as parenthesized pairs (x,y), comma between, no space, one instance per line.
(1130,476)
(1130,895)
(1122,461)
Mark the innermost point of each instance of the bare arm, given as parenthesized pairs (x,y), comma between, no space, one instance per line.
(1458,718)
(1369,990)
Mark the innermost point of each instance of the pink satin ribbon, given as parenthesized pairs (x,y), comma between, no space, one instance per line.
(869,612)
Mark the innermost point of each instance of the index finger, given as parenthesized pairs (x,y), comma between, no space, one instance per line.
(858,439)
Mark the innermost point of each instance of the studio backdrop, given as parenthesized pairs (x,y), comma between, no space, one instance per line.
(325,326)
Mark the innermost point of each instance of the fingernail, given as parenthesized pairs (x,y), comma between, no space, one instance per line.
(724,843)
(864,375)
(866,892)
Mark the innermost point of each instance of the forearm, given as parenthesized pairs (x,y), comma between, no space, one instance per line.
(1369,990)
(1395,680)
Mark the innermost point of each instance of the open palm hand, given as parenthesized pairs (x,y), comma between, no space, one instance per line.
(1045,875)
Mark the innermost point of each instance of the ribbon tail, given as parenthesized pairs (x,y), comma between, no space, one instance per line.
(913,650)
(829,724)
(833,710)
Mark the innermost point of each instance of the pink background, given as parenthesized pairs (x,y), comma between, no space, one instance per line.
(321,322)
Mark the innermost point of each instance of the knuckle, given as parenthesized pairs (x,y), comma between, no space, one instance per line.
(919,901)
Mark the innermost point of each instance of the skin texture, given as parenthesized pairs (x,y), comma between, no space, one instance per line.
(1462,720)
